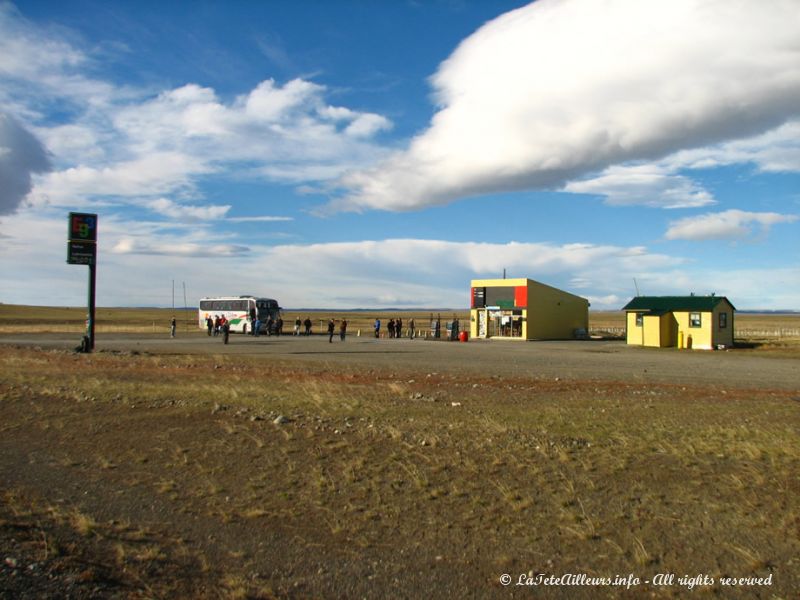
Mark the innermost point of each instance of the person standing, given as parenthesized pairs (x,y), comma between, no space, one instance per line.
(331,327)
(297,324)
(343,329)
(390,327)
(209,324)
(226,330)
(173,325)
(411,328)
(377,328)
(279,326)
(307,325)
(398,328)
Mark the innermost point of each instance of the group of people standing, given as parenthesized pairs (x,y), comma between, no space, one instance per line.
(219,324)
(332,329)
(305,324)
(271,327)
(395,328)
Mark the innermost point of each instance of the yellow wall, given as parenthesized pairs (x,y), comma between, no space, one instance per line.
(655,331)
(652,330)
(553,313)
(635,335)
(698,338)
(498,282)
(669,331)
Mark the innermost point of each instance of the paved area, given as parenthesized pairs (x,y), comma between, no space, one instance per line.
(584,360)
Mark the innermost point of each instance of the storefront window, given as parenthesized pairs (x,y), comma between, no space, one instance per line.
(505,323)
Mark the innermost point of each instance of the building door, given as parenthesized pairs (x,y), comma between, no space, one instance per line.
(482,323)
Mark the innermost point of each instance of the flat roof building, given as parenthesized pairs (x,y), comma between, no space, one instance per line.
(525,309)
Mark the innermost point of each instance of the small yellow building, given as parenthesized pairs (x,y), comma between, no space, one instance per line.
(524,309)
(702,322)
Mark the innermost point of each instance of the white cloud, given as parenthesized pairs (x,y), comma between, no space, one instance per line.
(564,88)
(777,150)
(78,142)
(257,219)
(648,185)
(183,212)
(133,246)
(285,129)
(122,142)
(37,62)
(367,125)
(729,224)
(415,272)
(24,53)
(150,174)
(138,260)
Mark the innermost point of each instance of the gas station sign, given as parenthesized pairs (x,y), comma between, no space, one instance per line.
(82,250)
(82,227)
(82,239)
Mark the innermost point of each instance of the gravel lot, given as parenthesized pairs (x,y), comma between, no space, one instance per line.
(585,360)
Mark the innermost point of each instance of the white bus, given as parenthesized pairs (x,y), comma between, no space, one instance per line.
(237,310)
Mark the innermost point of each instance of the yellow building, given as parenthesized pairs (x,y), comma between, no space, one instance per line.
(524,309)
(702,322)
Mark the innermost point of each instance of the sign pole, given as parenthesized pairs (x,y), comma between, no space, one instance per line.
(92,287)
(82,250)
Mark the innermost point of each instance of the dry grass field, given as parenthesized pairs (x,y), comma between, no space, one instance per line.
(14,319)
(136,475)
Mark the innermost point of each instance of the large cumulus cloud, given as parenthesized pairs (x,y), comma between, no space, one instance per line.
(563,88)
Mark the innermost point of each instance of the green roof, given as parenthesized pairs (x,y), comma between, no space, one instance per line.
(662,304)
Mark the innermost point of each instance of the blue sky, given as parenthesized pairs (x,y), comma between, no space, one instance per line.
(369,154)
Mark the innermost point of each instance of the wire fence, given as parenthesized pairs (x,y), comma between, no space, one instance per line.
(739,333)
(782,332)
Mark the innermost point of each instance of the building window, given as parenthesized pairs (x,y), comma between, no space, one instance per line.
(723,320)
(694,320)
(639,319)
